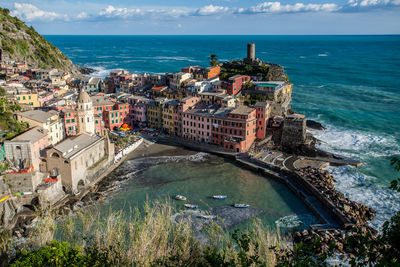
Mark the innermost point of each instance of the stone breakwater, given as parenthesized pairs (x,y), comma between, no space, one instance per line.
(357,214)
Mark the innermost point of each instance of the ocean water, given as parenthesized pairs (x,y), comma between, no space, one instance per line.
(348,83)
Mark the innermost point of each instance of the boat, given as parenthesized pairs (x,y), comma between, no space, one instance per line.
(241,205)
(191,206)
(179,197)
(219,197)
(207,217)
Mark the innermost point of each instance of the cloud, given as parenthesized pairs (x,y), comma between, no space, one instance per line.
(82,15)
(29,12)
(120,12)
(210,10)
(370,4)
(277,7)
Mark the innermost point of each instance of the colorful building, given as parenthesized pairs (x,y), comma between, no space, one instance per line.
(31,99)
(154,113)
(70,121)
(234,84)
(262,114)
(197,124)
(168,108)
(183,105)
(234,130)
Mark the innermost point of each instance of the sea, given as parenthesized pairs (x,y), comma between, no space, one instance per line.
(350,84)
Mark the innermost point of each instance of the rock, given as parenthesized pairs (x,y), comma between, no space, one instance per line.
(18,234)
(304,233)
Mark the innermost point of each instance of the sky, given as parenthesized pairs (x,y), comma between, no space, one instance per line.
(208,17)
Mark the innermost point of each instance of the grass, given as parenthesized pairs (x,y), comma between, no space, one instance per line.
(147,238)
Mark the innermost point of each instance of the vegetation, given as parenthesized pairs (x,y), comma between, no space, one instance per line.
(232,68)
(8,124)
(214,60)
(24,43)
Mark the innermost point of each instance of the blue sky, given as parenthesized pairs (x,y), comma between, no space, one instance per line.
(209,16)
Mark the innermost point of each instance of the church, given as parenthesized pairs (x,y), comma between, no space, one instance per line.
(79,159)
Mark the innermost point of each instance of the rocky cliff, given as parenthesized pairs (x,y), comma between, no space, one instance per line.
(24,44)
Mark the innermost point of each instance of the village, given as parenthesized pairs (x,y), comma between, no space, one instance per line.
(76,127)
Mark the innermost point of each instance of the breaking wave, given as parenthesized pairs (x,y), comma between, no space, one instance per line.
(356,183)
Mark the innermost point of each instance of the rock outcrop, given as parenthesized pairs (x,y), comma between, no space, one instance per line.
(22,43)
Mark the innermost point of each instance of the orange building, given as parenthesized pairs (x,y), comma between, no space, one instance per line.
(212,72)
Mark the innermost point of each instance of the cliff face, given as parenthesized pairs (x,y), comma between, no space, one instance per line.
(24,44)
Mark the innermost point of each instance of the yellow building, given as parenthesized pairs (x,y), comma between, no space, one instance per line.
(28,99)
(154,113)
(168,116)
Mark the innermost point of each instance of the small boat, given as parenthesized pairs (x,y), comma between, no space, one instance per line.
(179,197)
(190,206)
(241,205)
(219,197)
(207,217)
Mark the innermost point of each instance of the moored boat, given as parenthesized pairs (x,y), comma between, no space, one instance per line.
(179,197)
(219,197)
(241,205)
(190,206)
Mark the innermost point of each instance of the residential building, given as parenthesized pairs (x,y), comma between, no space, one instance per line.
(168,108)
(154,113)
(234,84)
(25,150)
(197,124)
(48,120)
(70,121)
(183,105)
(178,78)
(31,99)
(234,129)
(262,114)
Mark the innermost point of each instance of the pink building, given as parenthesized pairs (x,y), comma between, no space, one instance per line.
(70,121)
(234,84)
(25,150)
(137,109)
(117,116)
(183,105)
(234,130)
(197,124)
(43,98)
(262,114)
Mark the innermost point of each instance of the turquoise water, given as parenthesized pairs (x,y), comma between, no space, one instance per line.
(348,83)
(199,179)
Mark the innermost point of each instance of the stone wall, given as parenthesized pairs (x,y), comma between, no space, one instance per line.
(294,132)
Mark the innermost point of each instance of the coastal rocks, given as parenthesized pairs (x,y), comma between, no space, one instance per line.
(232,216)
(314,125)
(356,213)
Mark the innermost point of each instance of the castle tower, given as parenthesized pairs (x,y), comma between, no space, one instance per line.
(251,51)
(85,113)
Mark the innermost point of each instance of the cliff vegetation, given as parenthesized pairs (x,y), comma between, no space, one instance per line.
(22,43)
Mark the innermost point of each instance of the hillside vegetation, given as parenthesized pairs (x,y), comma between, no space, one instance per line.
(21,42)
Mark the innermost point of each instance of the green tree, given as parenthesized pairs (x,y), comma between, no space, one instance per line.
(213,60)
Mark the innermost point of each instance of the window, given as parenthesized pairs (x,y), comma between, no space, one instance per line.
(73,120)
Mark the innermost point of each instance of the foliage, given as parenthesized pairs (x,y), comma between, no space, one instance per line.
(7,121)
(395,184)
(213,60)
(60,254)
(305,255)
(383,249)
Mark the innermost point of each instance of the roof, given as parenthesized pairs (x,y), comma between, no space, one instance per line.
(261,104)
(32,135)
(74,145)
(83,97)
(159,88)
(38,115)
(236,77)
(242,110)
(100,100)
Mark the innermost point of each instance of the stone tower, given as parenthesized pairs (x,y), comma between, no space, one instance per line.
(251,51)
(85,113)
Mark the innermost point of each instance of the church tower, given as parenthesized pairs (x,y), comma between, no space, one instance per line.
(85,113)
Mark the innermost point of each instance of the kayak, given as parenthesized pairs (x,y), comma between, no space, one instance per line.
(179,197)
(241,205)
(191,206)
(219,197)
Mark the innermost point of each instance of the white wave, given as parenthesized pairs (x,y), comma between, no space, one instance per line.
(100,72)
(356,143)
(362,188)
(302,57)
(323,55)
(351,181)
